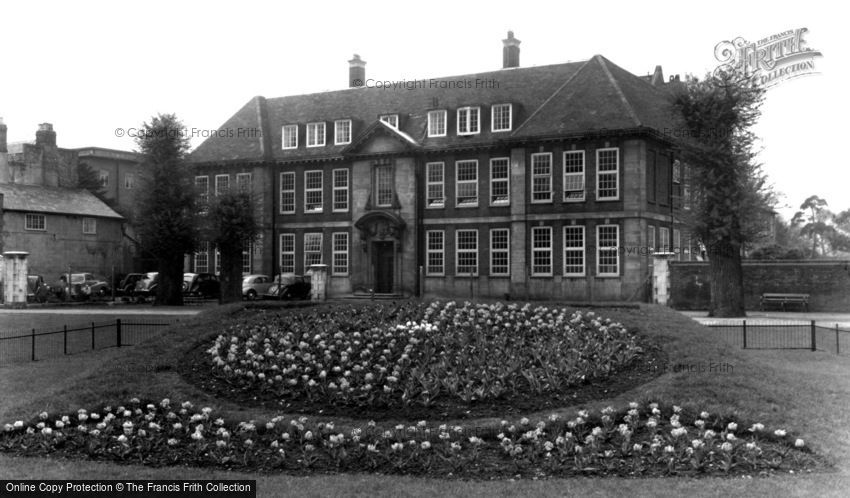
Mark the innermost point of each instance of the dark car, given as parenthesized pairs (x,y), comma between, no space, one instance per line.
(201,285)
(289,286)
(146,285)
(128,284)
(37,290)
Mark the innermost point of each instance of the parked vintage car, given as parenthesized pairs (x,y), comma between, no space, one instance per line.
(254,286)
(146,285)
(128,284)
(86,285)
(204,285)
(289,286)
(37,290)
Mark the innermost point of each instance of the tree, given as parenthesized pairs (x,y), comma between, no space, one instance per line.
(730,193)
(230,225)
(166,223)
(816,226)
(87,178)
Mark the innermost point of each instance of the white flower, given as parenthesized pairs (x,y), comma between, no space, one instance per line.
(678,431)
(43,415)
(47,431)
(397,447)
(732,427)
(425,445)
(18,424)
(779,433)
(222,444)
(696,443)
(669,449)
(172,442)
(122,439)
(703,414)
(709,434)
(757,428)
(726,446)
(799,443)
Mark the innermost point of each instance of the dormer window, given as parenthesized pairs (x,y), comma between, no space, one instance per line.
(390,119)
(501,117)
(290,137)
(315,134)
(468,120)
(342,132)
(436,123)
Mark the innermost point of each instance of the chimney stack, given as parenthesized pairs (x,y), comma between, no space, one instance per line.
(45,135)
(3,130)
(356,72)
(510,52)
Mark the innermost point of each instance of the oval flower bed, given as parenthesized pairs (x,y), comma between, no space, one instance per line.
(634,441)
(442,356)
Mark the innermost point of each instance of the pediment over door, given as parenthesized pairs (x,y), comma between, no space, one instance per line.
(380,225)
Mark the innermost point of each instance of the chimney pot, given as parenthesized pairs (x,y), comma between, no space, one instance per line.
(510,51)
(356,72)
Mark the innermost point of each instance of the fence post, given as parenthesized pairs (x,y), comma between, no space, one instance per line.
(92,336)
(65,339)
(33,344)
(814,335)
(744,330)
(118,330)
(836,340)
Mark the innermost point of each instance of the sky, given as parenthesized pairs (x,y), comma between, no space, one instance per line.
(91,67)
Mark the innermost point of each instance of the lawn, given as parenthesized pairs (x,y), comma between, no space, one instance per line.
(802,391)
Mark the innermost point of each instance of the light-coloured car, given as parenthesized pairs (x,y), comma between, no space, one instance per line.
(254,286)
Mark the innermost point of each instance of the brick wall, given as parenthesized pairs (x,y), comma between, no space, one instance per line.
(827,282)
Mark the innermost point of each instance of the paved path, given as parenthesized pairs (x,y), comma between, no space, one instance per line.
(756,317)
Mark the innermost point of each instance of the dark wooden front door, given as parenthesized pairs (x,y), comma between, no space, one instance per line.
(384,267)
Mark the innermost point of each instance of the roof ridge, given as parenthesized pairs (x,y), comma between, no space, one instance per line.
(545,102)
(631,111)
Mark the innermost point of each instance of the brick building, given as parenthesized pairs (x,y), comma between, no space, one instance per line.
(548,181)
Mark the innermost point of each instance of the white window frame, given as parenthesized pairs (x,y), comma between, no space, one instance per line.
(89,226)
(308,190)
(201,258)
(307,238)
(339,249)
(540,249)
(467,113)
(313,134)
(129,180)
(243,183)
(607,249)
(390,170)
(506,251)
(103,177)
(340,206)
(287,248)
(575,174)
(346,129)
(390,119)
(289,132)
(222,184)
(433,123)
(494,109)
(615,172)
(441,251)
(664,239)
(202,187)
(287,174)
(506,180)
(535,175)
(466,251)
(431,202)
(677,243)
(571,251)
(247,258)
(459,182)
(651,241)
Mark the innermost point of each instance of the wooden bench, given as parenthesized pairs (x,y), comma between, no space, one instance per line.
(783,299)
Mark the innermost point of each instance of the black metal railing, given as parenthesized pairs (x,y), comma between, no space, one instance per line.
(784,335)
(36,345)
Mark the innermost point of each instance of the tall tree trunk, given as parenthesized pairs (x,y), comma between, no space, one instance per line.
(727,281)
(169,291)
(231,274)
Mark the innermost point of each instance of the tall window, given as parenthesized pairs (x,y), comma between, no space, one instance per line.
(500,247)
(247,257)
(313,191)
(104,178)
(468,120)
(541,251)
(340,253)
(677,243)
(541,177)
(664,243)
(312,249)
(435,241)
(89,226)
(686,186)
(390,119)
(222,184)
(243,183)
(500,182)
(290,137)
(436,123)
(607,250)
(608,174)
(287,253)
(435,185)
(202,258)
(315,134)
(501,117)
(466,186)
(650,236)
(287,193)
(574,250)
(466,243)
(129,181)
(342,132)
(384,185)
(202,188)
(574,176)
(340,190)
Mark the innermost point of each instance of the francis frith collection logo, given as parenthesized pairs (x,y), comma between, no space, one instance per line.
(771,60)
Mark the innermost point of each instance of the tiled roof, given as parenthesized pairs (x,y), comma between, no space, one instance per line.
(40,199)
(547,101)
